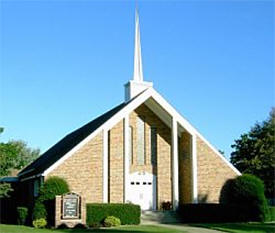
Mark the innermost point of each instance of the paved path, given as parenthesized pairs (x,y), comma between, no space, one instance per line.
(184,228)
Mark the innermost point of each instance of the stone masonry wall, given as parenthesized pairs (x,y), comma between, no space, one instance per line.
(83,170)
(185,168)
(212,173)
(116,162)
(163,168)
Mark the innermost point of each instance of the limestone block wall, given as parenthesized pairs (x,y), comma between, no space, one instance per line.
(83,170)
(163,168)
(116,163)
(185,168)
(212,173)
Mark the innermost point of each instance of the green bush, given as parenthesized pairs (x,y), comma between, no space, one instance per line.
(52,187)
(211,213)
(22,213)
(39,210)
(39,223)
(272,213)
(248,191)
(127,213)
(44,205)
(112,221)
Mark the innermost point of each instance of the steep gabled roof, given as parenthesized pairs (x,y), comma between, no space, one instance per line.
(72,142)
(66,144)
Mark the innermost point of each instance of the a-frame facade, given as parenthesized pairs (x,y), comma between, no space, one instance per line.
(142,151)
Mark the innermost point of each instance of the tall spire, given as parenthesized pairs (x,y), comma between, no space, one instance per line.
(136,85)
(138,73)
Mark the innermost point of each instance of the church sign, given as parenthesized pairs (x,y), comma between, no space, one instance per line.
(71,206)
(70,210)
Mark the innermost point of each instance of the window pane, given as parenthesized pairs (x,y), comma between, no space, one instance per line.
(140,141)
(153,139)
(36,188)
(130,145)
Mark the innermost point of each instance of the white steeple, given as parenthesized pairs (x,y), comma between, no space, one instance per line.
(136,85)
(138,73)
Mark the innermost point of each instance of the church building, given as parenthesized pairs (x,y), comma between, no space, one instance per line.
(142,151)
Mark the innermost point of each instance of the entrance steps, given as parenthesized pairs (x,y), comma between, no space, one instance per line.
(151,217)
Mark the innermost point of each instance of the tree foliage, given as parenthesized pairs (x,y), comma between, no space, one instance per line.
(254,153)
(14,155)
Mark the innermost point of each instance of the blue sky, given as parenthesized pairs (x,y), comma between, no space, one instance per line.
(65,62)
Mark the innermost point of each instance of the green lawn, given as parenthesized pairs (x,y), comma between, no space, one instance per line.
(240,227)
(136,229)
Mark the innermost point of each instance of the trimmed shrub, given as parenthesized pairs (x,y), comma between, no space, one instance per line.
(111,221)
(39,210)
(39,223)
(22,213)
(52,187)
(127,213)
(94,225)
(211,213)
(271,213)
(246,191)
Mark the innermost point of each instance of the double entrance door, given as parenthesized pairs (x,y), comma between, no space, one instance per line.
(142,190)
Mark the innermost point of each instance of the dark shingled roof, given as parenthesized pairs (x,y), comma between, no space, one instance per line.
(66,144)
(9,179)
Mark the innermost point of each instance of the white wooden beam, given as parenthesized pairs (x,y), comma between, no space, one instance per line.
(105,166)
(175,162)
(194,169)
(126,157)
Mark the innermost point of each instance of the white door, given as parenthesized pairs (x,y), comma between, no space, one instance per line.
(142,190)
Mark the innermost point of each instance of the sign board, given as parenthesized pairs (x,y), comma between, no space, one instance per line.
(71,206)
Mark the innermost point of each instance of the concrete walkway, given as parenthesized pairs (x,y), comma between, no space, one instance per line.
(183,228)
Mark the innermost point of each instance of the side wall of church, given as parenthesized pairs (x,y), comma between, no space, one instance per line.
(185,168)
(83,170)
(212,173)
(116,163)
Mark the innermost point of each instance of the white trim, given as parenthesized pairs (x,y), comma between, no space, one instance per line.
(105,166)
(194,170)
(150,92)
(175,160)
(126,157)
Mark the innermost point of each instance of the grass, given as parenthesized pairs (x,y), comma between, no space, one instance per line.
(124,229)
(240,227)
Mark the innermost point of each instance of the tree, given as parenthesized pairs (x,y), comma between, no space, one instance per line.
(14,155)
(254,153)
(25,154)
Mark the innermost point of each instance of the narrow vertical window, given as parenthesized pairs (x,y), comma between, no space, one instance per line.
(130,145)
(35,188)
(140,141)
(153,141)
